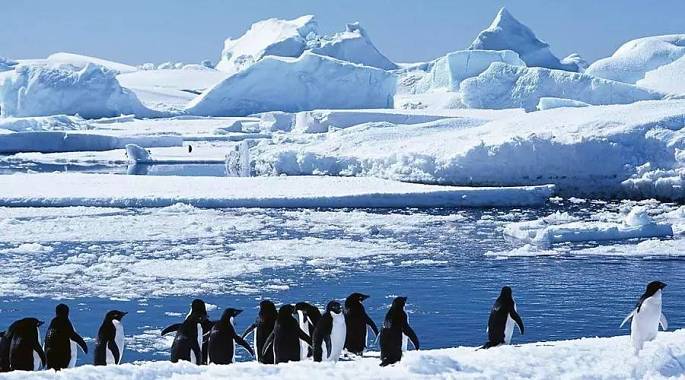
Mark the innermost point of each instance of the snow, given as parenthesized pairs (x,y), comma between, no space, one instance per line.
(57,141)
(43,123)
(581,358)
(507,33)
(507,86)
(81,61)
(296,84)
(353,45)
(109,190)
(284,38)
(50,89)
(547,103)
(7,64)
(666,78)
(634,59)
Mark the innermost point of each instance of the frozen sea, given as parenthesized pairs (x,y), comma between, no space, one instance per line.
(451,263)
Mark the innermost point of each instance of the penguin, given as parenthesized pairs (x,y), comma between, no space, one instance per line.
(647,316)
(188,340)
(198,313)
(308,316)
(61,341)
(262,327)
(285,339)
(357,320)
(222,339)
(26,353)
(394,327)
(329,334)
(109,344)
(503,316)
(4,351)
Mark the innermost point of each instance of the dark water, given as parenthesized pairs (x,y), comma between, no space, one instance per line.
(558,297)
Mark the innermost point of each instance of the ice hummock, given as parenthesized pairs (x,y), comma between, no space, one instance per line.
(352,45)
(308,82)
(507,33)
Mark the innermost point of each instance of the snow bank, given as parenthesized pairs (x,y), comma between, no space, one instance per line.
(129,191)
(43,123)
(667,78)
(506,86)
(320,121)
(352,45)
(448,72)
(547,103)
(507,33)
(56,141)
(81,61)
(561,228)
(581,358)
(635,58)
(297,84)
(283,38)
(52,89)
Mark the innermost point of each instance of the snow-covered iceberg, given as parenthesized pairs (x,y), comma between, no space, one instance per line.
(7,64)
(52,89)
(79,60)
(507,33)
(352,45)
(308,82)
(506,86)
(283,38)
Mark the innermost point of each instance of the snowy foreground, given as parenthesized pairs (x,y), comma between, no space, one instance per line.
(588,358)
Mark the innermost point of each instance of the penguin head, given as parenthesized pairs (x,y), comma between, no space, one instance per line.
(198,306)
(304,307)
(230,313)
(62,311)
(115,315)
(334,307)
(399,302)
(654,287)
(28,325)
(355,298)
(267,309)
(286,311)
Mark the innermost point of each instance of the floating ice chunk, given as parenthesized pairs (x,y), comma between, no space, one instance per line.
(506,86)
(638,217)
(547,103)
(507,33)
(137,153)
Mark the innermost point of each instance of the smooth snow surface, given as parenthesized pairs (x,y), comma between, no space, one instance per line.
(297,84)
(587,358)
(79,60)
(104,190)
(507,33)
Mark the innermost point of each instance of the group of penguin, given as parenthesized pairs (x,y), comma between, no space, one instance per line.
(289,333)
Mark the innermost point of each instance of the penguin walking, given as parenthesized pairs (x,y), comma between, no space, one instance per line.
(285,339)
(263,327)
(329,334)
(357,320)
(503,316)
(109,344)
(308,316)
(61,341)
(25,351)
(198,315)
(222,339)
(647,316)
(394,327)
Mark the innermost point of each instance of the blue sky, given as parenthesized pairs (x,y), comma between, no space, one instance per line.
(137,31)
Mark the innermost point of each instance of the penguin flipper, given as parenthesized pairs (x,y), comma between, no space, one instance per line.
(249,330)
(632,313)
(329,346)
(245,345)
(409,332)
(517,318)
(77,338)
(303,335)
(115,350)
(41,353)
(372,324)
(171,328)
(663,322)
(267,344)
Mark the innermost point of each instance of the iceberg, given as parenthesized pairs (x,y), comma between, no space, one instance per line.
(547,103)
(353,45)
(308,82)
(80,61)
(507,33)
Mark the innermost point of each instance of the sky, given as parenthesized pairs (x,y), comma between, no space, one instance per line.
(139,31)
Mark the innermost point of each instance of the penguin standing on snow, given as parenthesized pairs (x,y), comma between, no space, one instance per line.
(198,315)
(394,327)
(26,353)
(285,339)
(109,344)
(61,341)
(263,327)
(329,334)
(4,352)
(188,340)
(308,316)
(503,315)
(357,320)
(222,339)
(647,316)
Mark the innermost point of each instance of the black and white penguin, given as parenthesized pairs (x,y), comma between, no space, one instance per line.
(263,327)
(357,320)
(188,340)
(329,334)
(5,351)
(61,341)
(308,316)
(222,339)
(285,339)
(25,352)
(198,312)
(503,316)
(109,344)
(394,327)
(647,316)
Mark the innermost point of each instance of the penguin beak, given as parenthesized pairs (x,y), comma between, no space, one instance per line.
(40,323)
(364,297)
(237,312)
